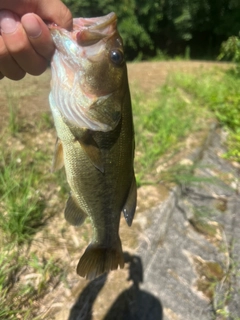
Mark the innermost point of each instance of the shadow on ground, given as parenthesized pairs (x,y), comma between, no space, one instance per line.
(131,304)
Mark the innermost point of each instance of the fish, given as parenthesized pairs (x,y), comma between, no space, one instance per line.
(91,107)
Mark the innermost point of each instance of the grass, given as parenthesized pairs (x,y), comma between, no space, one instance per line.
(182,106)
(28,191)
(13,105)
(161,123)
(22,205)
(17,298)
(218,92)
(22,215)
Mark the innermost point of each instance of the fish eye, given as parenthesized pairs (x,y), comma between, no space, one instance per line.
(116,56)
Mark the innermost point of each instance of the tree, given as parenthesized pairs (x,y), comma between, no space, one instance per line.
(169,25)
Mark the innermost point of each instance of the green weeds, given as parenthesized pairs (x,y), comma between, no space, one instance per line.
(21,204)
(160,124)
(12,104)
(46,121)
(17,297)
(22,215)
(184,175)
(218,92)
(182,106)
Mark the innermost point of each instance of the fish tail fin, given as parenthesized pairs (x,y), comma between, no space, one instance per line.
(98,259)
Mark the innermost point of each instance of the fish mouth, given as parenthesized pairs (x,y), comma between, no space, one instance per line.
(105,25)
(98,23)
(87,31)
(92,30)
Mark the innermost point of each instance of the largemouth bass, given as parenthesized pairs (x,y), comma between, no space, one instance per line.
(91,107)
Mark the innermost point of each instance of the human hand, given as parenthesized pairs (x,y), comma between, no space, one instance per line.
(26,44)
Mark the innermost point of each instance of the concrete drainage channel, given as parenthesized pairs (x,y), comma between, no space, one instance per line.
(187,264)
(192,264)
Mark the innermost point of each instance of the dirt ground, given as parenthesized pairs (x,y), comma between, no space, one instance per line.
(150,75)
(32,92)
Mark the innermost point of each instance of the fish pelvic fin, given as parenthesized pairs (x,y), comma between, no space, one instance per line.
(98,259)
(73,213)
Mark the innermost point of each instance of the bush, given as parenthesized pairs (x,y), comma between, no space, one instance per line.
(230,50)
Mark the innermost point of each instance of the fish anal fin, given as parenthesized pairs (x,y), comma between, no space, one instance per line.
(58,160)
(98,259)
(92,150)
(73,214)
(130,205)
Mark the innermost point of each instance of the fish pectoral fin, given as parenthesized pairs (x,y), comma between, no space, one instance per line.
(92,150)
(73,214)
(58,160)
(130,205)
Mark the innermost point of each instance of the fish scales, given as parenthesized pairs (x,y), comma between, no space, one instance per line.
(91,107)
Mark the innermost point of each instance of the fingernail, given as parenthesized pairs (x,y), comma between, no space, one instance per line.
(31,25)
(8,21)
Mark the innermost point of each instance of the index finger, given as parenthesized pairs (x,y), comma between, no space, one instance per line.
(49,10)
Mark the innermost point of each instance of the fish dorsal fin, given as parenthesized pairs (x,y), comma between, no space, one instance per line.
(130,205)
(92,150)
(73,214)
(58,160)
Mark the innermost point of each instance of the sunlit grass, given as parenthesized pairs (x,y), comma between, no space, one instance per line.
(26,186)
(21,204)
(180,107)
(17,298)
(12,102)
(160,123)
(218,92)
(22,215)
